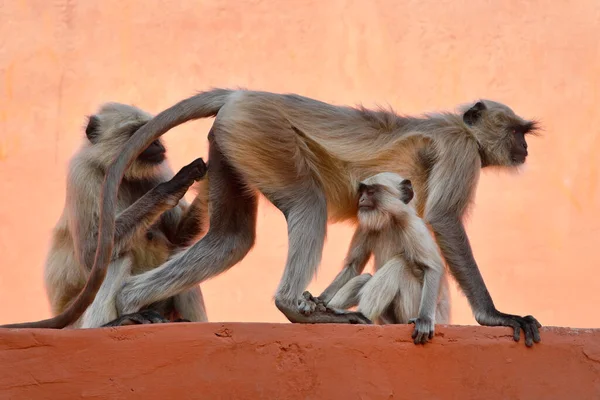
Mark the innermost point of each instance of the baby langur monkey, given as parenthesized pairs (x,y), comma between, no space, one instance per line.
(153,222)
(410,283)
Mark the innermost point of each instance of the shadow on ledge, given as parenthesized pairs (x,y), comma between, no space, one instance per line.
(285,361)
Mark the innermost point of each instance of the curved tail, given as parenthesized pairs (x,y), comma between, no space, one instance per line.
(203,105)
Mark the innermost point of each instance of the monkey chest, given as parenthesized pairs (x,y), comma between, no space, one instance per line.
(404,267)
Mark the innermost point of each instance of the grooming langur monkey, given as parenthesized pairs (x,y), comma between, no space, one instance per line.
(409,283)
(307,157)
(153,221)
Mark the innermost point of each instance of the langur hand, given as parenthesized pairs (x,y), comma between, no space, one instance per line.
(176,188)
(529,324)
(424,329)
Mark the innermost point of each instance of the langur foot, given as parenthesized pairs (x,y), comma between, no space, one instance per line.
(424,330)
(142,317)
(529,324)
(320,314)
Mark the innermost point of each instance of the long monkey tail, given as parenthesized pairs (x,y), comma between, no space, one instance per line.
(203,105)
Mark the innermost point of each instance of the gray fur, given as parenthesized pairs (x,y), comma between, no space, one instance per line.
(275,142)
(409,272)
(146,227)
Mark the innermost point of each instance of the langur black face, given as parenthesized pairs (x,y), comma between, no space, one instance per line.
(382,199)
(371,195)
(367,197)
(500,133)
(154,154)
(518,144)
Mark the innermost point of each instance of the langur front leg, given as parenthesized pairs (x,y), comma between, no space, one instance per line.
(307,226)
(137,218)
(425,322)
(454,244)
(347,296)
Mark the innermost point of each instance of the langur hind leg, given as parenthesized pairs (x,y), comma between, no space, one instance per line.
(347,296)
(103,309)
(306,217)
(229,238)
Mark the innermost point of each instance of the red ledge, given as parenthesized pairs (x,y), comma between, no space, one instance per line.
(285,361)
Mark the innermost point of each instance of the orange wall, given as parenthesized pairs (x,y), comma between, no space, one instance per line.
(534,234)
(292,361)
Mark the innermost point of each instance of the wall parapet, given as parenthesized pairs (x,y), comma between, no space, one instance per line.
(287,361)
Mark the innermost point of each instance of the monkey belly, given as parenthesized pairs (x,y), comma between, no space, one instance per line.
(284,168)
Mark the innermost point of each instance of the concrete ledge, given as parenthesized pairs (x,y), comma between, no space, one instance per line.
(285,361)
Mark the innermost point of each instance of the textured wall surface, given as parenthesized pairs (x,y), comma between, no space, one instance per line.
(535,234)
(284,361)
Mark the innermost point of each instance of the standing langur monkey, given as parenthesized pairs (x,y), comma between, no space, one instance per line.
(153,222)
(409,283)
(306,157)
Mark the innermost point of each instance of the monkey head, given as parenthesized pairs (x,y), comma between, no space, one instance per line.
(108,130)
(499,132)
(383,198)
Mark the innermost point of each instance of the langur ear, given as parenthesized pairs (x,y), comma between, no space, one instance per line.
(406,191)
(473,114)
(92,130)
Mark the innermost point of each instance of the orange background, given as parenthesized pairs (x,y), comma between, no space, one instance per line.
(534,234)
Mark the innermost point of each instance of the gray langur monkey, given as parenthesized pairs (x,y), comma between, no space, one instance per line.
(153,222)
(307,157)
(409,283)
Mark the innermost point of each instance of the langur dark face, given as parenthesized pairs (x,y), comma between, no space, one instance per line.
(518,144)
(367,197)
(154,154)
(370,196)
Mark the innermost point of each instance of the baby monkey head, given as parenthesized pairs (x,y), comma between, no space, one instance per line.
(383,199)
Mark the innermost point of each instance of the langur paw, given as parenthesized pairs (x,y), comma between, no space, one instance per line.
(194,171)
(318,313)
(424,330)
(139,318)
(529,324)
(307,305)
(312,302)
(176,188)
(182,320)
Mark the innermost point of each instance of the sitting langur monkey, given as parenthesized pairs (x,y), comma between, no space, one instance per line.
(409,283)
(153,221)
(306,157)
